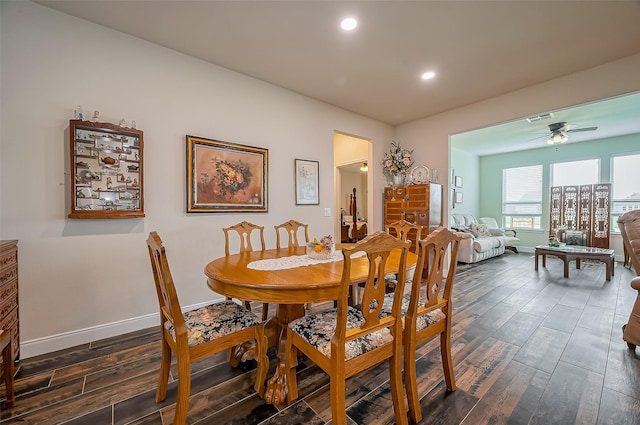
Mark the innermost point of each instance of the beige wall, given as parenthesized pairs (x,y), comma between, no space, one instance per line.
(84,279)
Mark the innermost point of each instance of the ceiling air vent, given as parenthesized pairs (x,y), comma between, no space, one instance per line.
(540,117)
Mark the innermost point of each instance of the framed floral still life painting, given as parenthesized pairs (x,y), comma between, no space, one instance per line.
(226,177)
(307,181)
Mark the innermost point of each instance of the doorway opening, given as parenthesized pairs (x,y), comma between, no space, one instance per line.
(350,155)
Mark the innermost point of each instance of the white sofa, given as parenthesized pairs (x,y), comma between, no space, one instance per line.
(510,234)
(478,242)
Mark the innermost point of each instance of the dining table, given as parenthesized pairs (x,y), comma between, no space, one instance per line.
(288,278)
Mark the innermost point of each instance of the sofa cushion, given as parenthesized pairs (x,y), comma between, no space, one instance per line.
(462,220)
(496,232)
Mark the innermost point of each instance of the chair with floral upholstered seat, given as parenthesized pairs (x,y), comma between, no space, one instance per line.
(346,340)
(427,309)
(198,333)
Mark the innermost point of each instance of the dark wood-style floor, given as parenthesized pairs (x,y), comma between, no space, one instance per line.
(528,348)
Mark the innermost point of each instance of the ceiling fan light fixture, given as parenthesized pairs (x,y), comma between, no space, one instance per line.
(557,136)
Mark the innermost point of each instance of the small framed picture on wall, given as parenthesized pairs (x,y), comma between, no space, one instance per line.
(307,182)
(459,197)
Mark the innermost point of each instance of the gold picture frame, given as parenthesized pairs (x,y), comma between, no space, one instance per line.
(226,177)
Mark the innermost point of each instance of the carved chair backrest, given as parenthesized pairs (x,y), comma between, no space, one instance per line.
(244,230)
(167,296)
(377,248)
(402,228)
(432,256)
(291,227)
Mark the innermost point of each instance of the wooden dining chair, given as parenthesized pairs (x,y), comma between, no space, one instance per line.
(244,231)
(292,227)
(7,366)
(198,333)
(427,307)
(401,230)
(346,340)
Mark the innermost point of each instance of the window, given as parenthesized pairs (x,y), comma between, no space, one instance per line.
(522,197)
(625,192)
(575,173)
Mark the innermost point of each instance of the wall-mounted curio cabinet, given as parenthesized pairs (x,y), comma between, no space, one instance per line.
(106,170)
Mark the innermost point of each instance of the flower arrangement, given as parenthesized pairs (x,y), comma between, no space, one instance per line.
(398,160)
(232,176)
(554,239)
(321,250)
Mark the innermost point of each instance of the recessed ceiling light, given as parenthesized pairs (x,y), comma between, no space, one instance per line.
(428,75)
(349,24)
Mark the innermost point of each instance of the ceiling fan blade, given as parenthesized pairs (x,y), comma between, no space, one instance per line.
(538,137)
(576,130)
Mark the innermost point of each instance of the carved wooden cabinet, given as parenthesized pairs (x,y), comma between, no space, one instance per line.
(419,203)
(9,292)
(106,170)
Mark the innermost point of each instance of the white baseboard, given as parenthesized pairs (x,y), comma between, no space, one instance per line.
(51,343)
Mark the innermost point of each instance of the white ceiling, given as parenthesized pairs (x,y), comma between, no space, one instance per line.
(479,49)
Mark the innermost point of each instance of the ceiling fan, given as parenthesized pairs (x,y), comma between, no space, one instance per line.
(559,132)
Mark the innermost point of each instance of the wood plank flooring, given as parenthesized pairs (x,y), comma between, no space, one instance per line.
(528,348)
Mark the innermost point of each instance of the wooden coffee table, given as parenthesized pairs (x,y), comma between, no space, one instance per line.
(572,252)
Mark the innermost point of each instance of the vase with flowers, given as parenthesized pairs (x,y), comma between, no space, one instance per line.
(397,162)
(321,250)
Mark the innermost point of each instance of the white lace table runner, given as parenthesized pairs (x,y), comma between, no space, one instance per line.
(293,261)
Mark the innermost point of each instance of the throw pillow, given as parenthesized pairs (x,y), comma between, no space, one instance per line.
(480,229)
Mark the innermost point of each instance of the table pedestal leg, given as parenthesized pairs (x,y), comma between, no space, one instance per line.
(276,392)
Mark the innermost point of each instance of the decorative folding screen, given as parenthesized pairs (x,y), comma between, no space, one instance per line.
(556,209)
(570,206)
(586,208)
(601,215)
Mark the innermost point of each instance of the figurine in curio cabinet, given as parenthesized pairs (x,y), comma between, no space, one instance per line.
(108,183)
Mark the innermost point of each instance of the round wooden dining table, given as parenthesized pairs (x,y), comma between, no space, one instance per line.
(289,288)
